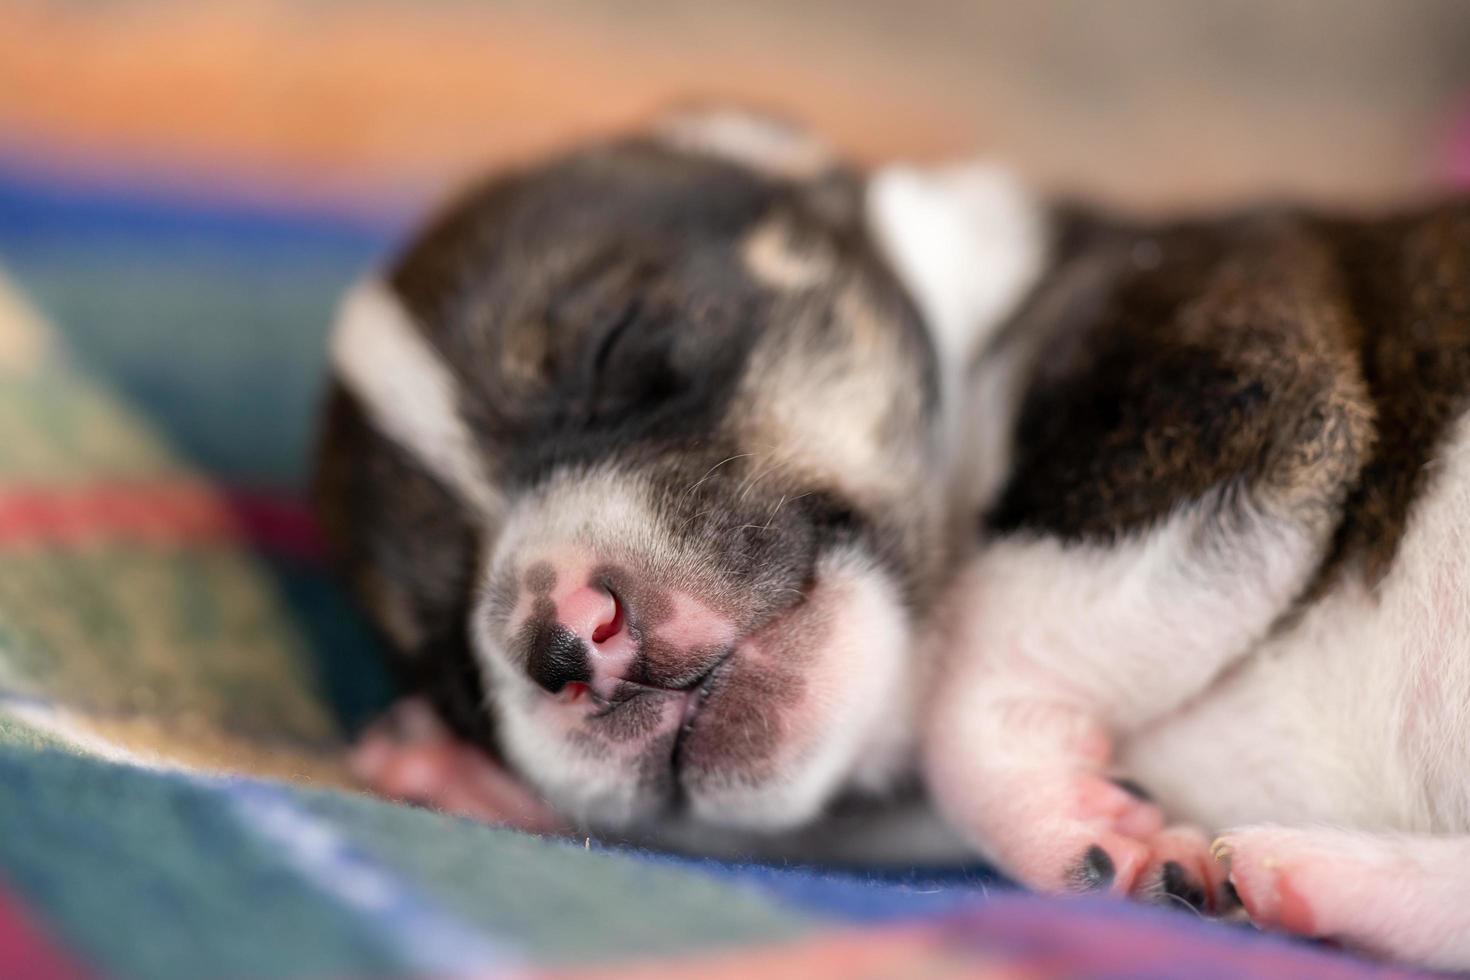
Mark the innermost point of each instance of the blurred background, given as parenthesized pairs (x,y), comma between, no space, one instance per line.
(185,187)
(1145,101)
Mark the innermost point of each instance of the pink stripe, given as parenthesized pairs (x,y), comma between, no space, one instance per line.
(26,953)
(167,515)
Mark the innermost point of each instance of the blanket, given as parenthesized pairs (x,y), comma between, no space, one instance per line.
(179,676)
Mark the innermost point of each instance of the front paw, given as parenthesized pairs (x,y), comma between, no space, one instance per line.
(410,756)
(1080,832)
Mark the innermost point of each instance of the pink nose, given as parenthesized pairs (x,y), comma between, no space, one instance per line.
(586,648)
(593,613)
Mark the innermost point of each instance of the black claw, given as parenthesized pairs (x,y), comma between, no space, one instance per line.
(1229,897)
(1133,789)
(1177,884)
(1095,871)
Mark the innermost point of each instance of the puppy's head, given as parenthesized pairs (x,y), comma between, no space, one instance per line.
(647,438)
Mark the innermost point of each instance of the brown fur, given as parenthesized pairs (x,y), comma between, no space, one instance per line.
(1306,366)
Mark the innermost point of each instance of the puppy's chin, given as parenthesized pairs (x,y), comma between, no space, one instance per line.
(815,702)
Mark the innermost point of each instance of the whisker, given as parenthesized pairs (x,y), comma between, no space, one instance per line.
(779,504)
(750,484)
(698,483)
(691,519)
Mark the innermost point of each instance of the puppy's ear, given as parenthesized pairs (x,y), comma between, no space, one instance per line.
(383,358)
(405,497)
(765,142)
(968,241)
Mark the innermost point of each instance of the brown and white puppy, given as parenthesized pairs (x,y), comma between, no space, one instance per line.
(1223,472)
(635,457)
(641,457)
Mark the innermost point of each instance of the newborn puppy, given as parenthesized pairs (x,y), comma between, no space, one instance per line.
(649,469)
(635,458)
(1223,472)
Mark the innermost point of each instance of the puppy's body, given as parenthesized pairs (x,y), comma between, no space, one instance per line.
(646,465)
(1222,471)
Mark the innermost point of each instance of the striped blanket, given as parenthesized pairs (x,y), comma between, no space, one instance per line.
(178,677)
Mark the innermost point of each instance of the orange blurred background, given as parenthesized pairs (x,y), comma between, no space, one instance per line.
(1144,102)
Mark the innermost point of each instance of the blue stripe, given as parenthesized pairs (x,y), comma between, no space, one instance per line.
(853,895)
(425,935)
(39,208)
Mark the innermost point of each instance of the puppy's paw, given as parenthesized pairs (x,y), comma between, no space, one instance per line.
(1396,896)
(1083,832)
(1065,831)
(1268,867)
(410,756)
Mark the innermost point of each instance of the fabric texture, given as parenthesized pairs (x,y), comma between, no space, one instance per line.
(179,676)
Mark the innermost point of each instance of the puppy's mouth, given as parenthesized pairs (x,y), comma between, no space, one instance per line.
(698,694)
(706,698)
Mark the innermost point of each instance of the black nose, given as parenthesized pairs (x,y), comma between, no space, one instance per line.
(556,656)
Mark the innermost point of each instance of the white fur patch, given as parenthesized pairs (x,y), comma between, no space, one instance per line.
(1047,650)
(408,391)
(604,510)
(967,241)
(1358,714)
(763,143)
(1133,629)
(855,724)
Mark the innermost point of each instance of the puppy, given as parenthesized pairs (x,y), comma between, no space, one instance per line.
(653,463)
(636,458)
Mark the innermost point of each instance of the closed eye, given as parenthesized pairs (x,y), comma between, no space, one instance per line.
(626,367)
(605,338)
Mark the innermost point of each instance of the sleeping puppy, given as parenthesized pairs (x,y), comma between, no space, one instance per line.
(635,458)
(653,463)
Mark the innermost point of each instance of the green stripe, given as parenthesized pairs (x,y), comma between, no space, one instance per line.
(560,902)
(198,636)
(226,353)
(152,876)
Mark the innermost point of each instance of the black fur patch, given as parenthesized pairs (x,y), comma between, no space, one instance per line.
(1409,291)
(1308,366)
(1153,383)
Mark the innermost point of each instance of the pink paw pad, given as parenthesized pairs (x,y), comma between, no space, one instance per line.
(1120,805)
(410,756)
